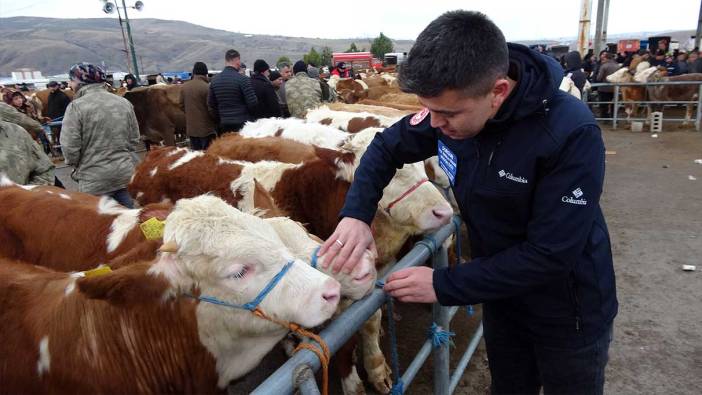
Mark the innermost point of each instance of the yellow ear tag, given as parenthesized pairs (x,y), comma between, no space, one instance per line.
(152,228)
(98,271)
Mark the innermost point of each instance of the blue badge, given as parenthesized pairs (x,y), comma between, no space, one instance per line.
(448,162)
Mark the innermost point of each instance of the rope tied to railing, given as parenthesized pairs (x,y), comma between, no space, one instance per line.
(397,384)
(440,337)
(322,351)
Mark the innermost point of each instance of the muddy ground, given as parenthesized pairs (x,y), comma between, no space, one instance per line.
(654,212)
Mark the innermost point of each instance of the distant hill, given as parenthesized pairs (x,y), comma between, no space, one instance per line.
(52,45)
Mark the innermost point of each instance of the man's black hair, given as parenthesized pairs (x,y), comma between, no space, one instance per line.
(231,55)
(462,50)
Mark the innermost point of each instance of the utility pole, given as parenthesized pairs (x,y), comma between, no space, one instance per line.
(698,36)
(584,30)
(131,42)
(601,25)
(124,40)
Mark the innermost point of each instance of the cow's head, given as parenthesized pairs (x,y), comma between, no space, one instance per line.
(409,198)
(303,245)
(621,75)
(644,75)
(212,249)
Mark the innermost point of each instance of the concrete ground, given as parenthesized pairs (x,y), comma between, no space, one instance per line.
(654,213)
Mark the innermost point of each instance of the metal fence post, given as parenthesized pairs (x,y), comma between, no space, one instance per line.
(698,119)
(441,318)
(615,110)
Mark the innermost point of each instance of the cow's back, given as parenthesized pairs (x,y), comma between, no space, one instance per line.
(235,147)
(160,177)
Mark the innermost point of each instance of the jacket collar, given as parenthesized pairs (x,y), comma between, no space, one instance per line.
(201,78)
(90,88)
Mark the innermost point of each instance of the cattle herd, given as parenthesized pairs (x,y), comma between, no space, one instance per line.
(97,298)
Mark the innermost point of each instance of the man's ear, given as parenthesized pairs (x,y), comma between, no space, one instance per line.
(128,285)
(500,92)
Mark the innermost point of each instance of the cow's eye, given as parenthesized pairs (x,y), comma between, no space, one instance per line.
(240,274)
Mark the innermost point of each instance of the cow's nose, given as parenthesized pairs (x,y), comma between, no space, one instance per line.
(332,291)
(442,214)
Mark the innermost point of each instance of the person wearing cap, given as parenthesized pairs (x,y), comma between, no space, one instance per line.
(286,75)
(232,99)
(268,105)
(341,70)
(130,81)
(56,107)
(100,136)
(302,92)
(199,125)
(278,83)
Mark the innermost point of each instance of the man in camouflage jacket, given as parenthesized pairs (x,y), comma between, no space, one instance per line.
(302,92)
(10,114)
(21,158)
(100,136)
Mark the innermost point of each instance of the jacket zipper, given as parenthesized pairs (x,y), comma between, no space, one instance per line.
(492,153)
(576,301)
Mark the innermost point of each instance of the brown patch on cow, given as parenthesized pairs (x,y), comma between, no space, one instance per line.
(357,124)
(203,174)
(431,174)
(163,334)
(155,210)
(158,112)
(279,132)
(72,236)
(326,121)
(235,147)
(264,201)
(330,156)
(131,284)
(404,107)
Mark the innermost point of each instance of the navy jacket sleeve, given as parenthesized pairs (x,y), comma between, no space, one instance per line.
(399,144)
(565,205)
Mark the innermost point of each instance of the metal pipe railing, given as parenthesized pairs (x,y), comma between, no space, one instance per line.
(440,314)
(346,324)
(616,102)
(463,363)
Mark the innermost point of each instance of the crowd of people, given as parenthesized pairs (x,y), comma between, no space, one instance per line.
(103,162)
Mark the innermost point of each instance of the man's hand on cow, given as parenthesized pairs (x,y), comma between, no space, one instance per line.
(344,249)
(413,285)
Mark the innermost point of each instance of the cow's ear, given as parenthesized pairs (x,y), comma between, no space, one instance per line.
(332,157)
(131,284)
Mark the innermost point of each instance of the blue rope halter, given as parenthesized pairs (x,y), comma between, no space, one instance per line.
(250,306)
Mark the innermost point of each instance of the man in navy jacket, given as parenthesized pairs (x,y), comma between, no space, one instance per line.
(526,163)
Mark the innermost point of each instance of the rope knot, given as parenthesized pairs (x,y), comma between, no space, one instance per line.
(439,336)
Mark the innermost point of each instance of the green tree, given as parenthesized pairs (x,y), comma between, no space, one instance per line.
(327,56)
(283,59)
(352,48)
(313,57)
(381,45)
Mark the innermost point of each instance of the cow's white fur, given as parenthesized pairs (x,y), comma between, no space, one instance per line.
(298,130)
(153,172)
(340,119)
(124,222)
(64,196)
(190,155)
(5,181)
(44,362)
(72,282)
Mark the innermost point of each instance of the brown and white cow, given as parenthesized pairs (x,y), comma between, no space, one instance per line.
(377,110)
(351,122)
(72,231)
(143,328)
(675,92)
(171,174)
(630,94)
(158,111)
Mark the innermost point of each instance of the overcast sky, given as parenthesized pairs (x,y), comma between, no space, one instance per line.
(398,19)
